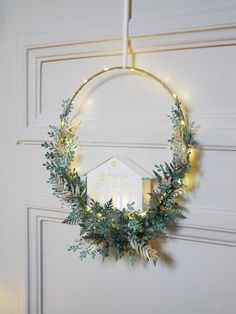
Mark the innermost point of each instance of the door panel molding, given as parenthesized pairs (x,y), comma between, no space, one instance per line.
(37,215)
(33,121)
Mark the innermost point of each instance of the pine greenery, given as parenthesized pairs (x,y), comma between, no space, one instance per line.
(105,229)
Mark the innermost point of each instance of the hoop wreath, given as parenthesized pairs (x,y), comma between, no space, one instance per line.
(105,229)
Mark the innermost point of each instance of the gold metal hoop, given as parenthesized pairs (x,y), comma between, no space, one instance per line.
(131,70)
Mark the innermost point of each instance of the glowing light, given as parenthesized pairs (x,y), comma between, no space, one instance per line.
(183,122)
(190,180)
(99,215)
(131,214)
(193,154)
(106,69)
(62,123)
(74,127)
(142,214)
(85,81)
(174,95)
(132,70)
(88,209)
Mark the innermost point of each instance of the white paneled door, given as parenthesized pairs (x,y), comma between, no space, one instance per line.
(47,48)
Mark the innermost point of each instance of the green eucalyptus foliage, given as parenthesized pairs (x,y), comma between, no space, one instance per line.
(105,229)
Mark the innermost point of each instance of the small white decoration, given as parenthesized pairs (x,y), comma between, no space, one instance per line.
(122,180)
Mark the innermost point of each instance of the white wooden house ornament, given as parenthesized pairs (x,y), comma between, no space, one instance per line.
(122,180)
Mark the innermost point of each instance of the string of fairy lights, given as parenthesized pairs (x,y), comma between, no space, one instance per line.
(105,229)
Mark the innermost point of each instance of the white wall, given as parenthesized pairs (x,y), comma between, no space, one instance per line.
(47,48)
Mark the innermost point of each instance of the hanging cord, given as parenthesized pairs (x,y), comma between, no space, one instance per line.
(127,16)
